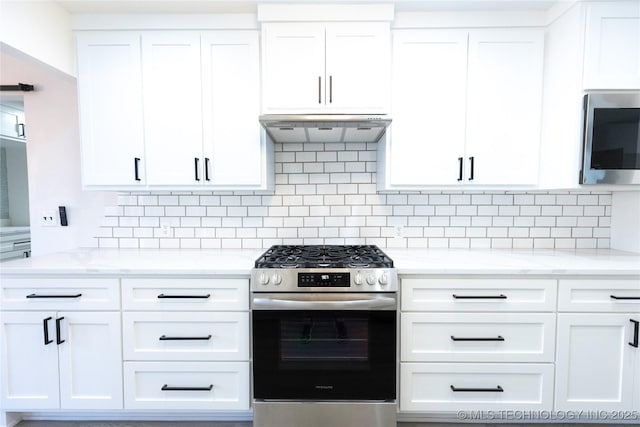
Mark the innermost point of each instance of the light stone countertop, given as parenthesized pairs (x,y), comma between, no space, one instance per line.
(123,262)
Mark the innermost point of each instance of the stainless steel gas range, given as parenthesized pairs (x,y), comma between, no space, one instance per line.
(324,337)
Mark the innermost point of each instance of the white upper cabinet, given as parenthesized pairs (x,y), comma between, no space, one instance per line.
(612,46)
(466,109)
(429,95)
(293,67)
(332,67)
(231,106)
(110,99)
(172,107)
(504,103)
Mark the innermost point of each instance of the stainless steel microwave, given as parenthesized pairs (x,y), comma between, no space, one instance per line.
(611,148)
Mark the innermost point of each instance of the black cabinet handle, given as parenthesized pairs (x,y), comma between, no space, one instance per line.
(167,388)
(498,338)
(136,168)
(21,130)
(460,162)
(624,298)
(319,89)
(54,296)
(196,162)
(636,332)
(206,169)
(45,324)
(498,389)
(184,296)
(59,331)
(471,168)
(330,89)
(166,338)
(501,296)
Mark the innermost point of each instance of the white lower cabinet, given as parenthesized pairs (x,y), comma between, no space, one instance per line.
(478,337)
(186,343)
(598,357)
(66,360)
(442,387)
(187,385)
(482,343)
(187,336)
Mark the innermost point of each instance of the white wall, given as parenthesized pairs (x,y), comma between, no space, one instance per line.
(41,29)
(53,154)
(625,221)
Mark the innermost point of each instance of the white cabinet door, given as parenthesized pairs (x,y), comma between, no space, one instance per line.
(172,92)
(110,108)
(90,360)
(504,107)
(429,95)
(612,46)
(29,357)
(233,146)
(595,363)
(357,67)
(293,66)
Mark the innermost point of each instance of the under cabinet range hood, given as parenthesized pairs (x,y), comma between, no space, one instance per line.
(325,127)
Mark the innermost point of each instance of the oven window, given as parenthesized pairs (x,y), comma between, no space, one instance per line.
(616,138)
(324,339)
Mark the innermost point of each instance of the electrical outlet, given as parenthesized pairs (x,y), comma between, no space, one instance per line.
(165,230)
(49,218)
(398,231)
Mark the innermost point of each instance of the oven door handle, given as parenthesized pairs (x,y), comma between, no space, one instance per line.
(324,302)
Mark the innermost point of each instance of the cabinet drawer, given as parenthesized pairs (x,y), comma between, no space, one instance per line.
(487,386)
(185,294)
(599,295)
(186,385)
(478,294)
(186,336)
(477,337)
(60,294)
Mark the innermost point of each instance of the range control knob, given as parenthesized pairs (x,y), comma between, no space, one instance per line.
(371,279)
(263,279)
(357,279)
(276,279)
(383,280)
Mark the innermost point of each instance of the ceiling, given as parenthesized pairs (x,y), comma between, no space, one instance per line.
(249,6)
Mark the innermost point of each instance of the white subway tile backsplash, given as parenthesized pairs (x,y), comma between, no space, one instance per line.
(325,193)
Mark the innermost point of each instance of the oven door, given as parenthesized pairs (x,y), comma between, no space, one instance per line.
(306,347)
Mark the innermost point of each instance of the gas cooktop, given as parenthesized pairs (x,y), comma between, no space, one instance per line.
(324,256)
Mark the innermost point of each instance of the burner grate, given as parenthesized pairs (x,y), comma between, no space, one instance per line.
(324,256)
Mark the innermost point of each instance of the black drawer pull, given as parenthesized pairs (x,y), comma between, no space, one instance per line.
(636,333)
(623,298)
(498,338)
(501,296)
(45,325)
(166,338)
(161,296)
(58,331)
(53,296)
(498,389)
(167,388)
